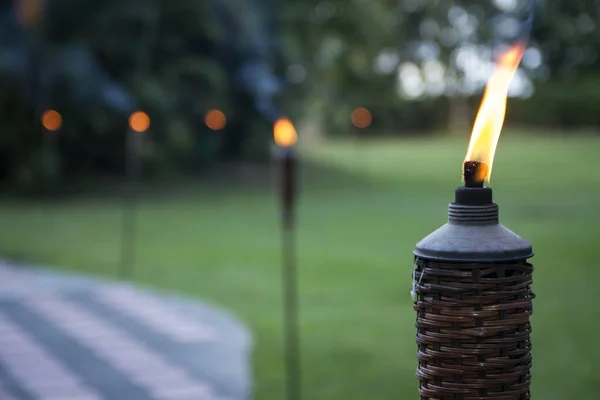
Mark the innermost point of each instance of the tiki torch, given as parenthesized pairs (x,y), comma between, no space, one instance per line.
(285,155)
(139,122)
(51,122)
(472,282)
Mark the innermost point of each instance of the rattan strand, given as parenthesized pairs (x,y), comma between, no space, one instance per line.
(473,330)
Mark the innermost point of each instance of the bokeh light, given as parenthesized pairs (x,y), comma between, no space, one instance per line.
(284,133)
(139,122)
(361,118)
(29,12)
(215,120)
(51,120)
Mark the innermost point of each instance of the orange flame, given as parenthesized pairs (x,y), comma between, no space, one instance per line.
(361,118)
(215,120)
(139,122)
(51,120)
(30,12)
(490,118)
(284,133)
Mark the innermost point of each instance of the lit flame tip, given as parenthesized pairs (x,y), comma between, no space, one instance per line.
(284,133)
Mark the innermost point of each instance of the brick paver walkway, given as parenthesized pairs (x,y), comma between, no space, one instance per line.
(71,338)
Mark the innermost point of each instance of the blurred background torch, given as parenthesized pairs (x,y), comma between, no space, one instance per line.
(139,122)
(286,164)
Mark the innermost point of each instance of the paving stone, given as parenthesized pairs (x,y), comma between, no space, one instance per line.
(68,337)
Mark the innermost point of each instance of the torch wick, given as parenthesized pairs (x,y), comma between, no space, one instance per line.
(474,173)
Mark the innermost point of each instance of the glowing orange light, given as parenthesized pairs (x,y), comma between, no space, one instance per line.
(30,12)
(284,133)
(361,118)
(490,117)
(215,120)
(51,120)
(139,122)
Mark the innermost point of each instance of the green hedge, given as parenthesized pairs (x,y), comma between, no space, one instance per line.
(561,104)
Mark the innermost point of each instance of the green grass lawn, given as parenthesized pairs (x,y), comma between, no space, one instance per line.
(358,225)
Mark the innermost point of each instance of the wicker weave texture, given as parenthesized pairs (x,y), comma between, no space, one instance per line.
(473,330)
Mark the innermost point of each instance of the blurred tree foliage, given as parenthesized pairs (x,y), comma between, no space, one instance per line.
(97,61)
(353,51)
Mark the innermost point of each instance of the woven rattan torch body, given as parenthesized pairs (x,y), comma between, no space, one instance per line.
(472,287)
